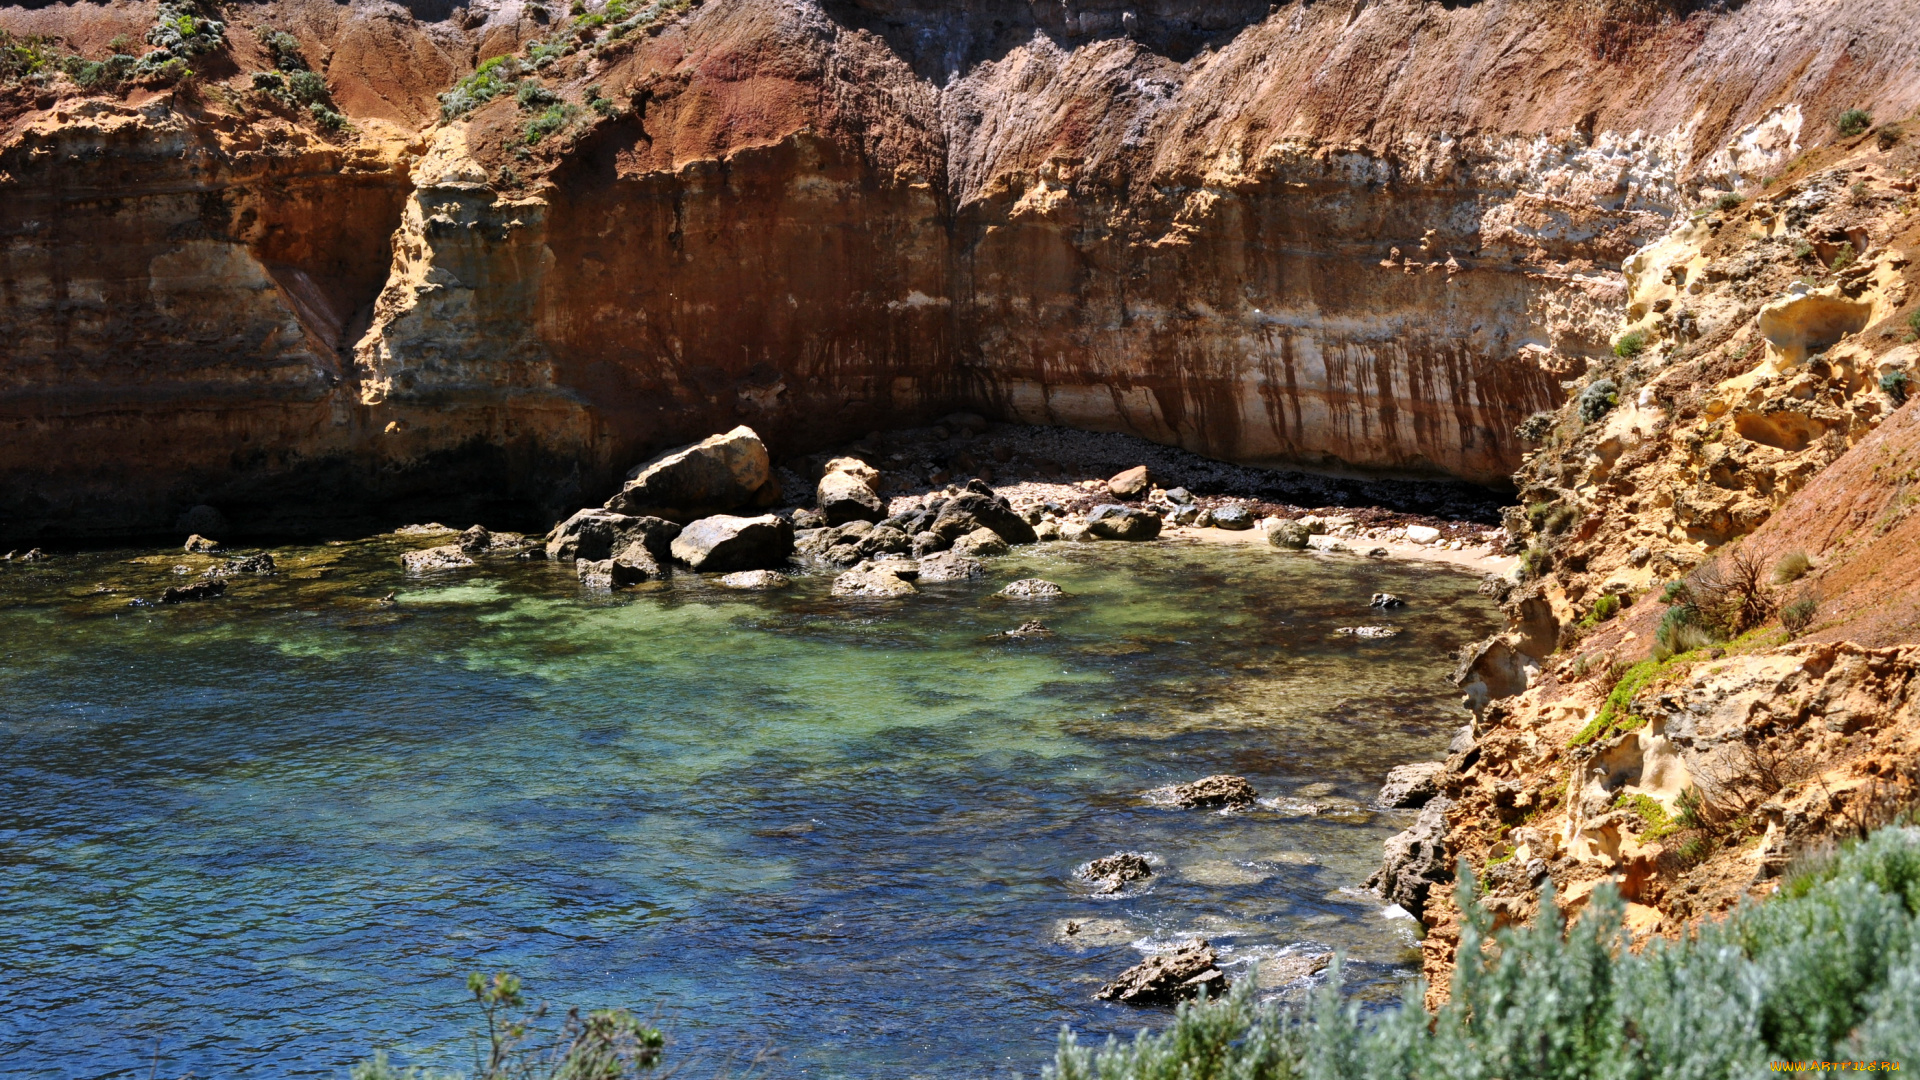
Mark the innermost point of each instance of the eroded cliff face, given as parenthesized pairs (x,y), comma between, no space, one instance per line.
(1369,235)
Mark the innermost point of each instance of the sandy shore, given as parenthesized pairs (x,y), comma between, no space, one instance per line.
(1478,560)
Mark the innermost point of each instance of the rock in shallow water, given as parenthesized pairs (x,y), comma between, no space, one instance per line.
(199,590)
(1111,873)
(1114,522)
(724,543)
(756,580)
(1290,535)
(429,560)
(1411,786)
(200,545)
(1386,600)
(848,496)
(1414,861)
(981,544)
(1169,977)
(876,580)
(1032,589)
(1368,633)
(719,473)
(950,566)
(1217,790)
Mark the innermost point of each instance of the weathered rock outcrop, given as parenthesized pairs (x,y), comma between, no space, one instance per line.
(1253,230)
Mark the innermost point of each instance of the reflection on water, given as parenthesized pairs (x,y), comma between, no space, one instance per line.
(271,831)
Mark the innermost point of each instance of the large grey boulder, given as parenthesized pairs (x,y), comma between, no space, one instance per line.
(884,578)
(1410,787)
(1290,535)
(982,543)
(723,543)
(972,510)
(1115,522)
(949,566)
(1416,860)
(717,474)
(1169,977)
(595,534)
(845,496)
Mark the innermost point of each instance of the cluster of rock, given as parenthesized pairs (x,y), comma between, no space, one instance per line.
(1167,978)
(1112,873)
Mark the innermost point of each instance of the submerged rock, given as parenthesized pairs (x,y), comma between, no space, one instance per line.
(717,474)
(1416,860)
(1411,786)
(725,543)
(199,590)
(1368,633)
(1220,789)
(1030,628)
(1111,873)
(882,580)
(1114,522)
(259,562)
(1032,589)
(1386,600)
(1169,977)
(756,579)
(428,560)
(632,566)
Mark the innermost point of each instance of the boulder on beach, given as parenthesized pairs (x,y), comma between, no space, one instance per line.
(429,560)
(1422,534)
(981,544)
(972,510)
(1289,534)
(1416,860)
(717,474)
(1032,589)
(847,494)
(1114,522)
(1237,518)
(949,566)
(1169,978)
(1220,789)
(1111,873)
(1179,496)
(725,543)
(1410,787)
(1131,484)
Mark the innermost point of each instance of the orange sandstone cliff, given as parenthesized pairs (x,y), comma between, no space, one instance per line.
(1372,234)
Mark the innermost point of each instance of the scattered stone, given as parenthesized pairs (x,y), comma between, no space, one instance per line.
(717,474)
(1386,600)
(1030,628)
(431,528)
(1422,534)
(724,543)
(1289,534)
(199,590)
(1416,860)
(1169,977)
(949,566)
(1046,531)
(1232,517)
(845,496)
(1111,873)
(1322,542)
(200,545)
(981,544)
(1114,522)
(1217,790)
(1410,787)
(633,565)
(804,518)
(1378,553)
(1032,589)
(756,579)
(259,562)
(882,580)
(1368,633)
(429,560)
(1180,496)
(1278,971)
(1130,484)
(854,467)
(1075,532)
(475,540)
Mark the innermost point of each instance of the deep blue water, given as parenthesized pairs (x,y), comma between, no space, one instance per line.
(267,834)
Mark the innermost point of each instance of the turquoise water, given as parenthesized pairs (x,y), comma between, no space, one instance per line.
(266,834)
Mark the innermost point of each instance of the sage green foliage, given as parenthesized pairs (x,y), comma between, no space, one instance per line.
(179,33)
(1603,609)
(1895,384)
(1729,201)
(1631,344)
(1660,824)
(1842,258)
(1683,629)
(607,1044)
(285,50)
(1827,971)
(1792,567)
(550,121)
(100,74)
(25,56)
(1536,562)
(1855,121)
(1797,616)
(488,81)
(1601,395)
(531,96)
(1615,712)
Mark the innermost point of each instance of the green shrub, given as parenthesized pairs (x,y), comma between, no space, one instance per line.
(488,81)
(1537,514)
(307,88)
(1631,344)
(1535,563)
(1895,384)
(1797,616)
(327,118)
(550,121)
(1684,629)
(533,97)
(284,48)
(1913,320)
(25,56)
(1802,250)
(1854,122)
(1561,518)
(1601,395)
(101,74)
(1676,592)
(1603,610)
(1729,201)
(1535,427)
(1792,567)
(1828,973)
(1614,712)
(1842,258)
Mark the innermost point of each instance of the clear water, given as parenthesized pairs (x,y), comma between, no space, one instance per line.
(266,834)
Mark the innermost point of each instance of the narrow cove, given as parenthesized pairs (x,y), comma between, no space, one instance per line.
(280,826)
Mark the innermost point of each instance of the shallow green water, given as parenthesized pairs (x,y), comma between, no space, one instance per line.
(270,832)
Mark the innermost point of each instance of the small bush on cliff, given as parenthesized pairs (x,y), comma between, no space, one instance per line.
(284,48)
(1842,258)
(1829,972)
(27,56)
(1796,617)
(555,118)
(1729,201)
(1603,610)
(1895,384)
(488,81)
(1855,122)
(101,74)
(1792,567)
(1631,344)
(533,97)
(1602,395)
(1535,427)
